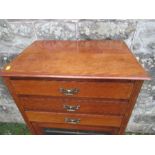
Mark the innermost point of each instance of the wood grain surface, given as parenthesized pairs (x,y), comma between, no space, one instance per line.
(92,120)
(106,89)
(86,106)
(82,59)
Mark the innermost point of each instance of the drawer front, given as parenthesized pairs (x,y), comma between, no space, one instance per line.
(41,128)
(109,89)
(77,119)
(94,106)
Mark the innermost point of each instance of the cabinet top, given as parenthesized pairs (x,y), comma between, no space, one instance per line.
(104,59)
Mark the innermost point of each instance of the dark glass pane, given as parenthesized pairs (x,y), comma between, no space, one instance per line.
(56,131)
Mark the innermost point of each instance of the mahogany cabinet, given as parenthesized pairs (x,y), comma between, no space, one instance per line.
(75,87)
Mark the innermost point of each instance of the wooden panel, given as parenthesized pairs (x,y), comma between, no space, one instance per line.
(39,127)
(132,101)
(17,101)
(89,106)
(115,89)
(93,120)
(102,59)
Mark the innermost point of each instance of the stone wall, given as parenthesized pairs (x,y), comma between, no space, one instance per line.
(139,35)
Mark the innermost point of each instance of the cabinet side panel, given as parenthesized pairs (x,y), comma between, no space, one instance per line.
(132,101)
(17,101)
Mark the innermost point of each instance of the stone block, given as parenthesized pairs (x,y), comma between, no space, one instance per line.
(56,30)
(5,96)
(10,113)
(15,36)
(144,39)
(147,60)
(6,58)
(6,33)
(106,29)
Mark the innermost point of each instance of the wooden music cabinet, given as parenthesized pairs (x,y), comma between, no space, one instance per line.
(75,87)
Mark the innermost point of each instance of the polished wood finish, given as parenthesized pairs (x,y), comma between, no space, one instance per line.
(136,90)
(85,119)
(40,126)
(112,89)
(86,106)
(76,59)
(91,84)
(16,99)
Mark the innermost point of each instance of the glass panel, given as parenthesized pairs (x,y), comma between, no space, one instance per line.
(56,131)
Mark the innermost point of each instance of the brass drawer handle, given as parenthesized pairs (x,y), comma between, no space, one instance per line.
(71,108)
(72,120)
(67,92)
